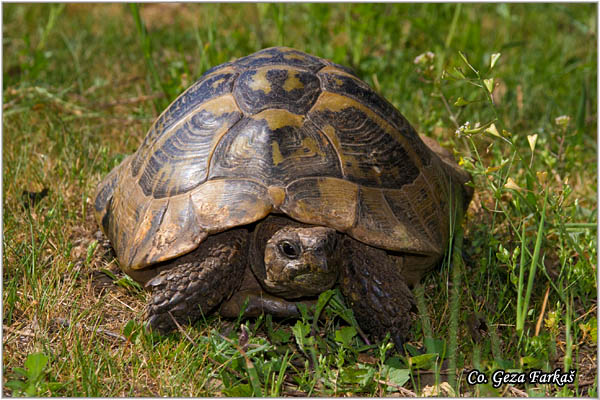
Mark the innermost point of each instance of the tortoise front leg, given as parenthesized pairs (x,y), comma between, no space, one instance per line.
(253,301)
(195,284)
(374,285)
(258,302)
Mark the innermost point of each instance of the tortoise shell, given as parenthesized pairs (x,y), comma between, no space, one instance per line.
(279,131)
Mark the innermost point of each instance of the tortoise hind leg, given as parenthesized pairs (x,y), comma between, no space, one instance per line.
(374,286)
(196,283)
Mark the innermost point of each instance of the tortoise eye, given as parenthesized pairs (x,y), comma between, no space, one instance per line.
(289,249)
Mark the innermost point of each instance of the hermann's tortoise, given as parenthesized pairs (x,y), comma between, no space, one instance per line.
(284,169)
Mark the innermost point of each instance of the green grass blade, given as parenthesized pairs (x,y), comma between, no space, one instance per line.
(534,261)
(254,380)
(55,11)
(422,307)
(146,44)
(321,303)
(520,318)
(453,25)
(457,267)
(281,375)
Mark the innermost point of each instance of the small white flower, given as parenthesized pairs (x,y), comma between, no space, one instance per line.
(424,58)
(562,120)
(463,128)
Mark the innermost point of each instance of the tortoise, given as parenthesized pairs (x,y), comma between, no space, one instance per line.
(275,177)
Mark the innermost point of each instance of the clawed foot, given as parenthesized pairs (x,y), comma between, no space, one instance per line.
(196,283)
(377,292)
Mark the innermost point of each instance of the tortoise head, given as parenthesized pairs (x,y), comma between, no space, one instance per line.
(301,261)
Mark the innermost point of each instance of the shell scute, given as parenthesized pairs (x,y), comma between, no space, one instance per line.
(375,220)
(280,56)
(274,147)
(370,153)
(178,161)
(226,203)
(200,92)
(221,67)
(340,82)
(324,201)
(104,194)
(276,87)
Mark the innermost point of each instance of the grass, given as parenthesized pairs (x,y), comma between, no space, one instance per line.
(83,83)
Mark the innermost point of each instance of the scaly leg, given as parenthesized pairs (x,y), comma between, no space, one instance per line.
(196,283)
(374,286)
(257,301)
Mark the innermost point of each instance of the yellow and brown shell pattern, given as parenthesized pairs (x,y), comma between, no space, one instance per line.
(277,131)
